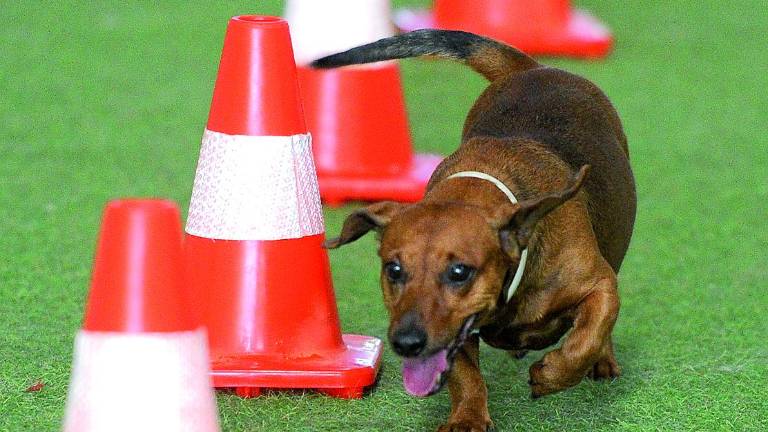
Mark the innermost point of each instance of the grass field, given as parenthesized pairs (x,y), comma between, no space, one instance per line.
(109,99)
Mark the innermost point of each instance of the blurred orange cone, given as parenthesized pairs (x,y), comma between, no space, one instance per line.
(141,362)
(547,27)
(356,115)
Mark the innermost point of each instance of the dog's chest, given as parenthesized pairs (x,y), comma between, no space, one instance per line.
(526,336)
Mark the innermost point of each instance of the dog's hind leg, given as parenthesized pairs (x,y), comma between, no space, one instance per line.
(606,367)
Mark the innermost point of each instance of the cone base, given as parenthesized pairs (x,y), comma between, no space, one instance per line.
(583,37)
(407,186)
(342,374)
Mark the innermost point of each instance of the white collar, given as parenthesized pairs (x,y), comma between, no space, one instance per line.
(524,254)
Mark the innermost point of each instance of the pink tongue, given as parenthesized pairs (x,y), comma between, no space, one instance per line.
(420,375)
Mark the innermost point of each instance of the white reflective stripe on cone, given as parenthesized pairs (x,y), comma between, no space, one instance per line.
(141,382)
(319,28)
(255,188)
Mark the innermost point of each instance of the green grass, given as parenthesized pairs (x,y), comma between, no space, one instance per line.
(104,100)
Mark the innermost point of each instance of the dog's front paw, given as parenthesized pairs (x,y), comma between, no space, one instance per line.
(467,426)
(549,375)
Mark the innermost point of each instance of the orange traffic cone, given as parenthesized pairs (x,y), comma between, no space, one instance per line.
(356,115)
(548,27)
(141,362)
(260,278)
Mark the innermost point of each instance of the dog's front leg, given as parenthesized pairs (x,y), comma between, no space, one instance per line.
(469,397)
(584,346)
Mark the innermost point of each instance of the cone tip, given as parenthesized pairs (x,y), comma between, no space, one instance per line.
(261,20)
(137,282)
(256,91)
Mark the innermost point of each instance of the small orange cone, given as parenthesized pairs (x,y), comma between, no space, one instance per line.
(260,278)
(546,27)
(141,362)
(357,116)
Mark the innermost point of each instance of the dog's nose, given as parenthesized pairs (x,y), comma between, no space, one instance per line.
(409,342)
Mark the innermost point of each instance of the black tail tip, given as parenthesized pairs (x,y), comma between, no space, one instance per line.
(324,63)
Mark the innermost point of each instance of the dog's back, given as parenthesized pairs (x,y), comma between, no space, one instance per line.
(567,114)
(572,118)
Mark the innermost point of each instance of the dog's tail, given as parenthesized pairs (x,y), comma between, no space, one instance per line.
(492,59)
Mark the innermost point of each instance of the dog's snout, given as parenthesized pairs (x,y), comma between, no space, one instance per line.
(409,342)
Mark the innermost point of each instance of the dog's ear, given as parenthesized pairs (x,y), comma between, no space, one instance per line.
(374,217)
(516,225)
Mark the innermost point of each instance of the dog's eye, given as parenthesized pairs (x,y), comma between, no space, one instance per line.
(458,274)
(394,272)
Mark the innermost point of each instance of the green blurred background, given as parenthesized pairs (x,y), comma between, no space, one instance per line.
(109,99)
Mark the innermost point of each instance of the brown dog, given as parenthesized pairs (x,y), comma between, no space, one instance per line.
(513,190)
